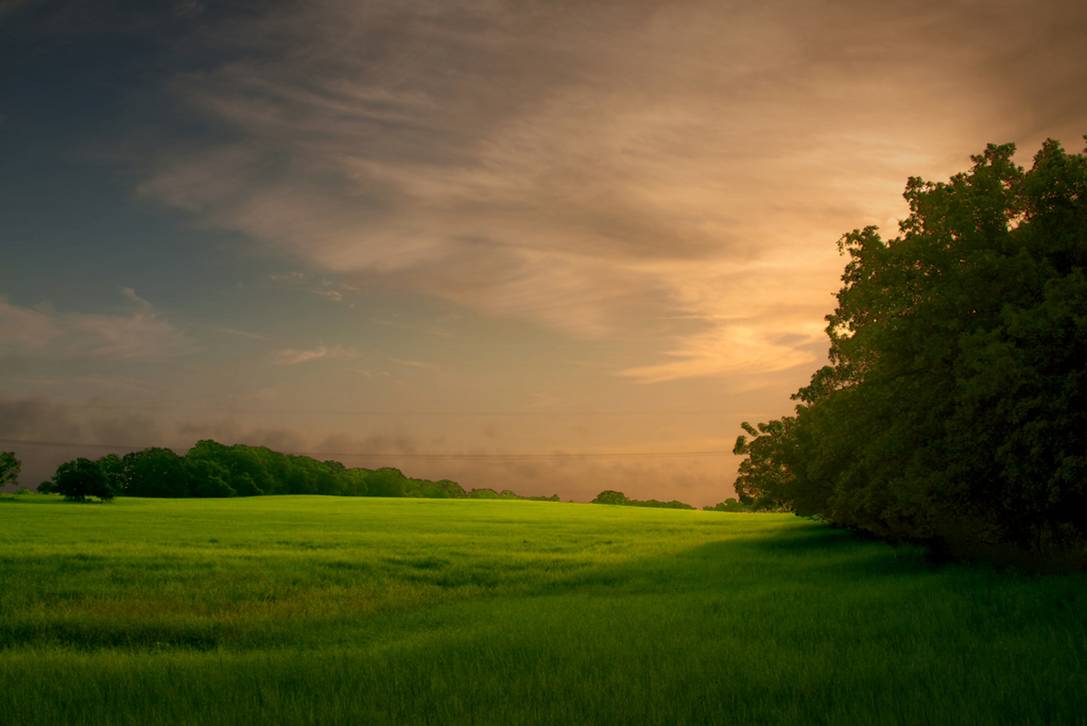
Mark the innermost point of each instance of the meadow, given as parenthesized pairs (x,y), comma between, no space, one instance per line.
(333,610)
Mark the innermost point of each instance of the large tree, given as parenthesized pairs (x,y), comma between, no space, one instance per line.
(953,407)
(81,479)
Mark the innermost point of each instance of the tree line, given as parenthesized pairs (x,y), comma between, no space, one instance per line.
(610,496)
(953,408)
(211,469)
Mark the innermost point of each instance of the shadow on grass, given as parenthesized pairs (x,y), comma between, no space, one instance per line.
(815,537)
(45,499)
(93,635)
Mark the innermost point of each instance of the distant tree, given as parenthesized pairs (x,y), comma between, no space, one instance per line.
(444,489)
(9,468)
(47,487)
(113,468)
(658,504)
(208,478)
(386,482)
(156,472)
(483,493)
(449,489)
(244,485)
(729,505)
(610,496)
(81,479)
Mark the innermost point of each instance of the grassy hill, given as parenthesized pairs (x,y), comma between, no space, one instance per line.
(330,610)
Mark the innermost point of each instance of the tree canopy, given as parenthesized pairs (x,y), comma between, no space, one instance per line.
(211,469)
(610,496)
(9,468)
(81,479)
(953,407)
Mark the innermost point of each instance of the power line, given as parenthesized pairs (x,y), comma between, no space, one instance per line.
(406,454)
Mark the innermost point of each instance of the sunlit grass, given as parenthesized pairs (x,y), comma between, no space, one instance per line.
(335,610)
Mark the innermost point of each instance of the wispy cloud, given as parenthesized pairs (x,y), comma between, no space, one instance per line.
(297,356)
(238,333)
(587,167)
(142,304)
(44,333)
(324,288)
(409,363)
(333,295)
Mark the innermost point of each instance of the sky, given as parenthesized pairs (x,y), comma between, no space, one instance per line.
(556,247)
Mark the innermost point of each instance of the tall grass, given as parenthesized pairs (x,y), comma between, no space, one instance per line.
(311,610)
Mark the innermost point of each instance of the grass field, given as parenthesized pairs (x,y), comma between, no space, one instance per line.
(322,610)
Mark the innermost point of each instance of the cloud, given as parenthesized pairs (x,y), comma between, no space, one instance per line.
(297,356)
(596,168)
(729,349)
(410,363)
(327,289)
(24,329)
(42,333)
(333,295)
(143,305)
(238,333)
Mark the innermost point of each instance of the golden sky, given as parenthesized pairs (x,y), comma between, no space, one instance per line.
(485,228)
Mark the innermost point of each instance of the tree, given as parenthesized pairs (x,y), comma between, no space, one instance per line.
(957,387)
(765,477)
(80,479)
(610,496)
(208,478)
(155,472)
(729,505)
(113,469)
(9,468)
(483,493)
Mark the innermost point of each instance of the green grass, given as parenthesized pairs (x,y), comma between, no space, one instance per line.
(321,610)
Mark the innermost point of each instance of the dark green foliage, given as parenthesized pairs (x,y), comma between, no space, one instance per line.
(763,481)
(9,468)
(112,468)
(442,489)
(483,493)
(610,496)
(730,505)
(953,409)
(208,478)
(155,472)
(211,469)
(82,479)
